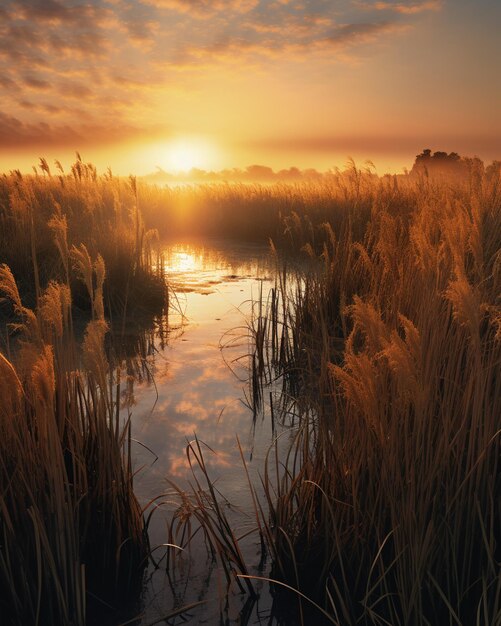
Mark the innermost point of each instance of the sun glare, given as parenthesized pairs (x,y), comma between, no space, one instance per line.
(180,261)
(184,154)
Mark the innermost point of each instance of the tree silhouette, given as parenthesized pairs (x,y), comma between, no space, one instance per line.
(440,164)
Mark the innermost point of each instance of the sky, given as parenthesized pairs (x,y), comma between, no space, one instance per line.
(215,84)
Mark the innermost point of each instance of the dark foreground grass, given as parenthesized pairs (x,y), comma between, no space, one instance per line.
(396,501)
(73,543)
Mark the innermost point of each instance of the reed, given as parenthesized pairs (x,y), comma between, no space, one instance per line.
(386,508)
(43,219)
(248,211)
(72,533)
(392,488)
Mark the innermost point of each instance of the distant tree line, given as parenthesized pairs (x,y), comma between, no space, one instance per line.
(428,163)
(439,163)
(450,164)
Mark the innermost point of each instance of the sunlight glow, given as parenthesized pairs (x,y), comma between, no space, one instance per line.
(184,154)
(180,261)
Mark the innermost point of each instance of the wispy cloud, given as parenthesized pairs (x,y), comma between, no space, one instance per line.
(203,9)
(352,34)
(82,15)
(36,83)
(72,89)
(16,133)
(405,8)
(289,40)
(8,83)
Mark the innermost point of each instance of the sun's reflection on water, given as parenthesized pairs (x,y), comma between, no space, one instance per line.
(179,260)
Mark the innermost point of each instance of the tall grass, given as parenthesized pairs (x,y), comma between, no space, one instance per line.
(248,211)
(72,537)
(43,216)
(396,343)
(387,508)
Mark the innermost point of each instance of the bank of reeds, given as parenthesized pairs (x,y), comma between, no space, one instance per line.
(387,508)
(396,341)
(72,538)
(251,211)
(43,215)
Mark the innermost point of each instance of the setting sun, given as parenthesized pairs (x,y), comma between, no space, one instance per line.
(186,153)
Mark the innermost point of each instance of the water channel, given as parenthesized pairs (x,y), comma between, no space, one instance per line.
(200,388)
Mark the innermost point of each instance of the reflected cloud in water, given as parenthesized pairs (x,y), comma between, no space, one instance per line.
(196,392)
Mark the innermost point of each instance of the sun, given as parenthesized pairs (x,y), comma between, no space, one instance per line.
(181,154)
(184,154)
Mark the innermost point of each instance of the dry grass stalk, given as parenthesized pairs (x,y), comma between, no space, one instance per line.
(69,520)
(404,442)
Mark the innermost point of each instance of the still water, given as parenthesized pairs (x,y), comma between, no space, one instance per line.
(201,388)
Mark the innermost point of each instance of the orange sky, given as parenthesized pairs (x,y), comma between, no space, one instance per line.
(227,83)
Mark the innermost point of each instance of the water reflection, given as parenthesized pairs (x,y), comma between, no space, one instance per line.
(195,392)
(201,267)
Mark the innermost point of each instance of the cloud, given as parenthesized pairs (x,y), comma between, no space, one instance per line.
(59,52)
(26,104)
(41,29)
(203,9)
(74,89)
(142,31)
(84,15)
(352,34)
(36,83)
(129,83)
(289,24)
(51,108)
(235,50)
(390,144)
(16,133)
(118,58)
(26,46)
(87,43)
(405,8)
(8,83)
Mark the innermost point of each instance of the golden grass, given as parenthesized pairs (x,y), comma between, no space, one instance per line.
(72,533)
(48,223)
(387,507)
(398,347)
